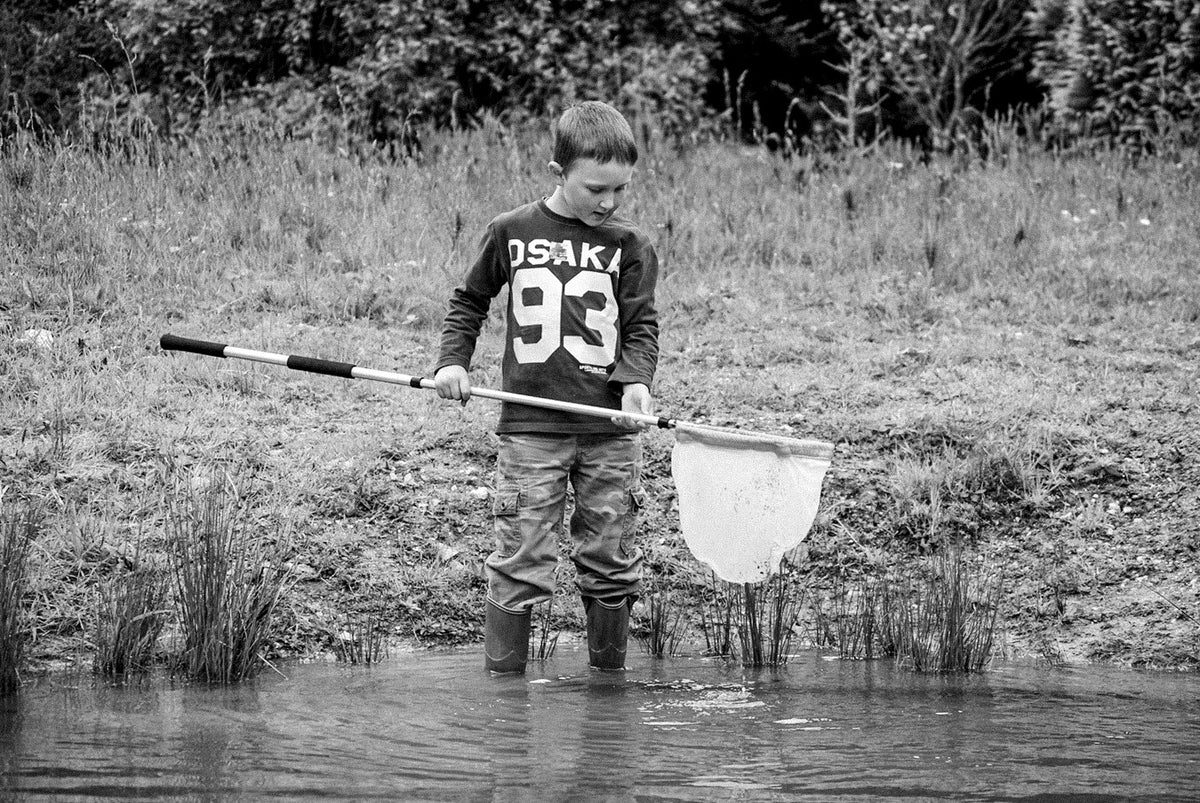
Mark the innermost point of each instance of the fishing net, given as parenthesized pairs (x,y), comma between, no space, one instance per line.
(745,499)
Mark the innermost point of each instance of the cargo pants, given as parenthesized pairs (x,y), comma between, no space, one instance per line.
(532,473)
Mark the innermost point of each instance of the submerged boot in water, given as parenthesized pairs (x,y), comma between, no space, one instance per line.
(506,640)
(607,632)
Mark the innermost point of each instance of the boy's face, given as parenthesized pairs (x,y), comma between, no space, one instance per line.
(590,190)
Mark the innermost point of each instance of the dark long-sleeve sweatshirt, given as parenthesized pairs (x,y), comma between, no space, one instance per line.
(581,321)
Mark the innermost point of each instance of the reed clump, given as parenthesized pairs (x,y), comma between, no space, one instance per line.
(18,529)
(664,619)
(130,616)
(543,638)
(754,623)
(228,580)
(768,618)
(717,619)
(860,621)
(937,618)
(363,639)
(945,622)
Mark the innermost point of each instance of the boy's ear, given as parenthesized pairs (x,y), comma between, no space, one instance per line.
(556,170)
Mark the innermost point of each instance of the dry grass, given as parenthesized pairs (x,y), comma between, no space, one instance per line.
(543,635)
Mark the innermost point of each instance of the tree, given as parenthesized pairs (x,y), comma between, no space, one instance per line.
(1126,71)
(40,62)
(370,67)
(941,57)
(773,59)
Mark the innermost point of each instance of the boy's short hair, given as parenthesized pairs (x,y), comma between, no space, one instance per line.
(593,130)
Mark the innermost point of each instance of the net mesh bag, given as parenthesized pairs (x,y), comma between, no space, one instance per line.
(745,499)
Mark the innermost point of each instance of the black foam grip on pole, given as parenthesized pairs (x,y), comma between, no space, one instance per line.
(315,366)
(416,381)
(664,423)
(205,347)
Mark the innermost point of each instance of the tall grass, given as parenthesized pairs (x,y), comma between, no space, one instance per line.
(664,630)
(718,618)
(754,623)
(17,532)
(947,622)
(228,579)
(543,636)
(131,613)
(362,639)
(938,615)
(768,618)
(860,621)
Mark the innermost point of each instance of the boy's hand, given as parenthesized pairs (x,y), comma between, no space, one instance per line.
(452,382)
(635,398)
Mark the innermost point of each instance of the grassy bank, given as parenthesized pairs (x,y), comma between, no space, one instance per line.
(1007,356)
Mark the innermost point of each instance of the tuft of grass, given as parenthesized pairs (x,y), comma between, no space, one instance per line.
(543,640)
(945,622)
(934,617)
(767,619)
(17,532)
(228,580)
(363,639)
(717,619)
(664,618)
(762,616)
(130,617)
(860,622)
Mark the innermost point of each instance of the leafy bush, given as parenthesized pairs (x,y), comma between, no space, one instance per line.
(40,63)
(374,68)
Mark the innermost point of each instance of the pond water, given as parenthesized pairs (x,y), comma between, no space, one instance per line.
(435,726)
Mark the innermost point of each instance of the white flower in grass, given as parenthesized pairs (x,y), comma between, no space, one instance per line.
(1144,221)
(41,338)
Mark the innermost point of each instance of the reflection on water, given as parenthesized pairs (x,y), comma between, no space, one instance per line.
(435,726)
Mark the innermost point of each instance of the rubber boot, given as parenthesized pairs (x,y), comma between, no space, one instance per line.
(505,640)
(607,632)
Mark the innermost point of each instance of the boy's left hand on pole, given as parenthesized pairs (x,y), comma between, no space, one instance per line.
(635,398)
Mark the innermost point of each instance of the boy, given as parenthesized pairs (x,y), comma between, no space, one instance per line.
(581,327)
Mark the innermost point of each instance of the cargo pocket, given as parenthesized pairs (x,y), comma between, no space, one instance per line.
(635,501)
(505,509)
